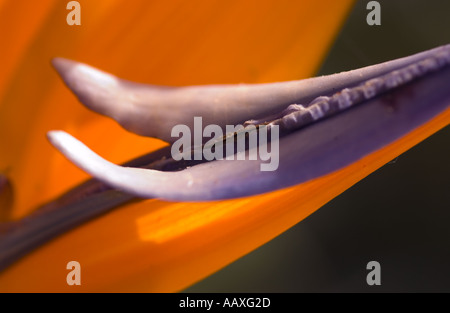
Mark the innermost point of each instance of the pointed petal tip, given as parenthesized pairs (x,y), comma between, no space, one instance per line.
(62,141)
(68,145)
(78,153)
(62,65)
(74,72)
(97,90)
(113,175)
(54,136)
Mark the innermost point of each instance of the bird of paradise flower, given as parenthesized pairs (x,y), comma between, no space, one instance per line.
(174,244)
(383,216)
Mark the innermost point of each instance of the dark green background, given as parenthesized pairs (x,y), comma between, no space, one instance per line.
(398,216)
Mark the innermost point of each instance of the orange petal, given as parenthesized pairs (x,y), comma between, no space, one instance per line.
(152,245)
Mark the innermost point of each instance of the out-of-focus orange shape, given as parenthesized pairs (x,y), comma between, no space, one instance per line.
(154,245)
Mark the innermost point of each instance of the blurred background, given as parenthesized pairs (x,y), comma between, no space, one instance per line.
(398,216)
